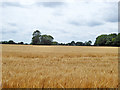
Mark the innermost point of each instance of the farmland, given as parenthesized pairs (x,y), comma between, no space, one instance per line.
(28,66)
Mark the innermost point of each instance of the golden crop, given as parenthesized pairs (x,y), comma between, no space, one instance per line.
(27,66)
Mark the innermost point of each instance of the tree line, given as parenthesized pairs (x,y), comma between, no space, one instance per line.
(12,42)
(39,39)
(108,40)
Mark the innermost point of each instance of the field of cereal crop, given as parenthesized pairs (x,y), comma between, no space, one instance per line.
(27,66)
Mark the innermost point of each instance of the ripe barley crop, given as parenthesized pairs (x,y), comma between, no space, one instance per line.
(27,66)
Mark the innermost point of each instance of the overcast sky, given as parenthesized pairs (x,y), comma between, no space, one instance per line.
(65,21)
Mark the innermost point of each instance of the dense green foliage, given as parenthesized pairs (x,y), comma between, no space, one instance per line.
(46,40)
(73,43)
(108,40)
(8,42)
(11,42)
(54,43)
(39,39)
(36,37)
(102,40)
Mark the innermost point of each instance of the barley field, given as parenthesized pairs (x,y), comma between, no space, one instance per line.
(27,66)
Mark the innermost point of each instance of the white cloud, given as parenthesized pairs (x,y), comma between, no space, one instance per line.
(65,21)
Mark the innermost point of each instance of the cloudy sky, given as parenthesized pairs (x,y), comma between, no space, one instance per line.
(65,21)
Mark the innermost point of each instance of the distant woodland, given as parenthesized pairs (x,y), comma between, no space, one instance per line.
(39,39)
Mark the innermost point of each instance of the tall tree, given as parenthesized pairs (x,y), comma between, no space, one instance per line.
(36,37)
(73,43)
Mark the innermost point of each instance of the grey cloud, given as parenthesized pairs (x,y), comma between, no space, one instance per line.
(112,13)
(9,29)
(50,4)
(59,31)
(45,4)
(63,31)
(119,12)
(75,23)
(14,4)
(118,16)
(94,23)
(58,14)
(112,18)
(63,22)
(12,24)
(81,23)
(8,32)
